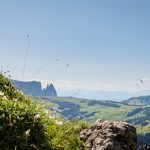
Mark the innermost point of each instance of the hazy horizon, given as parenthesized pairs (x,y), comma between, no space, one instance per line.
(89,45)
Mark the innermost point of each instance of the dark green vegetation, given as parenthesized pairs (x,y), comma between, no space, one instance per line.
(90,110)
(25,125)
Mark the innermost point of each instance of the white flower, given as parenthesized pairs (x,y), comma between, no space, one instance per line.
(1,93)
(27,133)
(36,117)
(59,122)
(5,97)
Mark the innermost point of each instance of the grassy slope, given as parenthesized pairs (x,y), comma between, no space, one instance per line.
(141,100)
(25,124)
(101,111)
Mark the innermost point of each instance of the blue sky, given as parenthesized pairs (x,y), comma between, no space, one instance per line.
(106,42)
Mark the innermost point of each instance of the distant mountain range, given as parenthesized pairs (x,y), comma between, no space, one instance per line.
(102,95)
(34,88)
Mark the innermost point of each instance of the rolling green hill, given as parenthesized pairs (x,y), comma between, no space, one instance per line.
(90,110)
(141,100)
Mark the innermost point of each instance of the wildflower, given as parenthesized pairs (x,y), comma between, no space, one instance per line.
(36,117)
(1,93)
(59,122)
(34,146)
(27,133)
(5,97)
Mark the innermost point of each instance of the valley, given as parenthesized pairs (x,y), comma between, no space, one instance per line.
(71,108)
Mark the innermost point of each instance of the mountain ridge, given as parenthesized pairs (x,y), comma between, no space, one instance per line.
(139,100)
(34,88)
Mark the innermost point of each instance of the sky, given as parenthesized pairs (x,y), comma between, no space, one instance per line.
(105,42)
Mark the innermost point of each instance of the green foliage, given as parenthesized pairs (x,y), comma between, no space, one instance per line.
(25,125)
(67,137)
(22,123)
(138,115)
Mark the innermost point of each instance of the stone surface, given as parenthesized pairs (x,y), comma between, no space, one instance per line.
(109,135)
(34,88)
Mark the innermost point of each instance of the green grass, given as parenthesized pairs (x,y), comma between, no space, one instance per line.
(105,112)
(26,125)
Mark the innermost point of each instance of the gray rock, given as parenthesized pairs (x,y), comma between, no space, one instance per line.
(34,88)
(109,135)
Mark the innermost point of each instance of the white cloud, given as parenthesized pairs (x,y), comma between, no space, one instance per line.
(74,85)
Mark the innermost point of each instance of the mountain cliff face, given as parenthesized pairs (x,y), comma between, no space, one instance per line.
(34,88)
(50,91)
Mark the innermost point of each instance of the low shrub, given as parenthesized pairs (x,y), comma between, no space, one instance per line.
(25,125)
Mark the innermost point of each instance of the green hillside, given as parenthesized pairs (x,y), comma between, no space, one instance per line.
(26,125)
(90,110)
(141,100)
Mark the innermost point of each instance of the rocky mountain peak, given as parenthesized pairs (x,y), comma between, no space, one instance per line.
(50,90)
(34,88)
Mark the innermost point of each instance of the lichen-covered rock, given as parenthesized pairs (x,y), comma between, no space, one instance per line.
(109,135)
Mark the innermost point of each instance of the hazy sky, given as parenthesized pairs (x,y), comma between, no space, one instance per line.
(106,42)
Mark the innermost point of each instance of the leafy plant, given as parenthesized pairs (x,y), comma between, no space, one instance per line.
(25,125)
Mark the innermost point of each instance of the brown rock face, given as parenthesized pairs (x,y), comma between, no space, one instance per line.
(109,135)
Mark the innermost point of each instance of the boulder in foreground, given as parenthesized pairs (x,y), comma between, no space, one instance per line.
(109,135)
